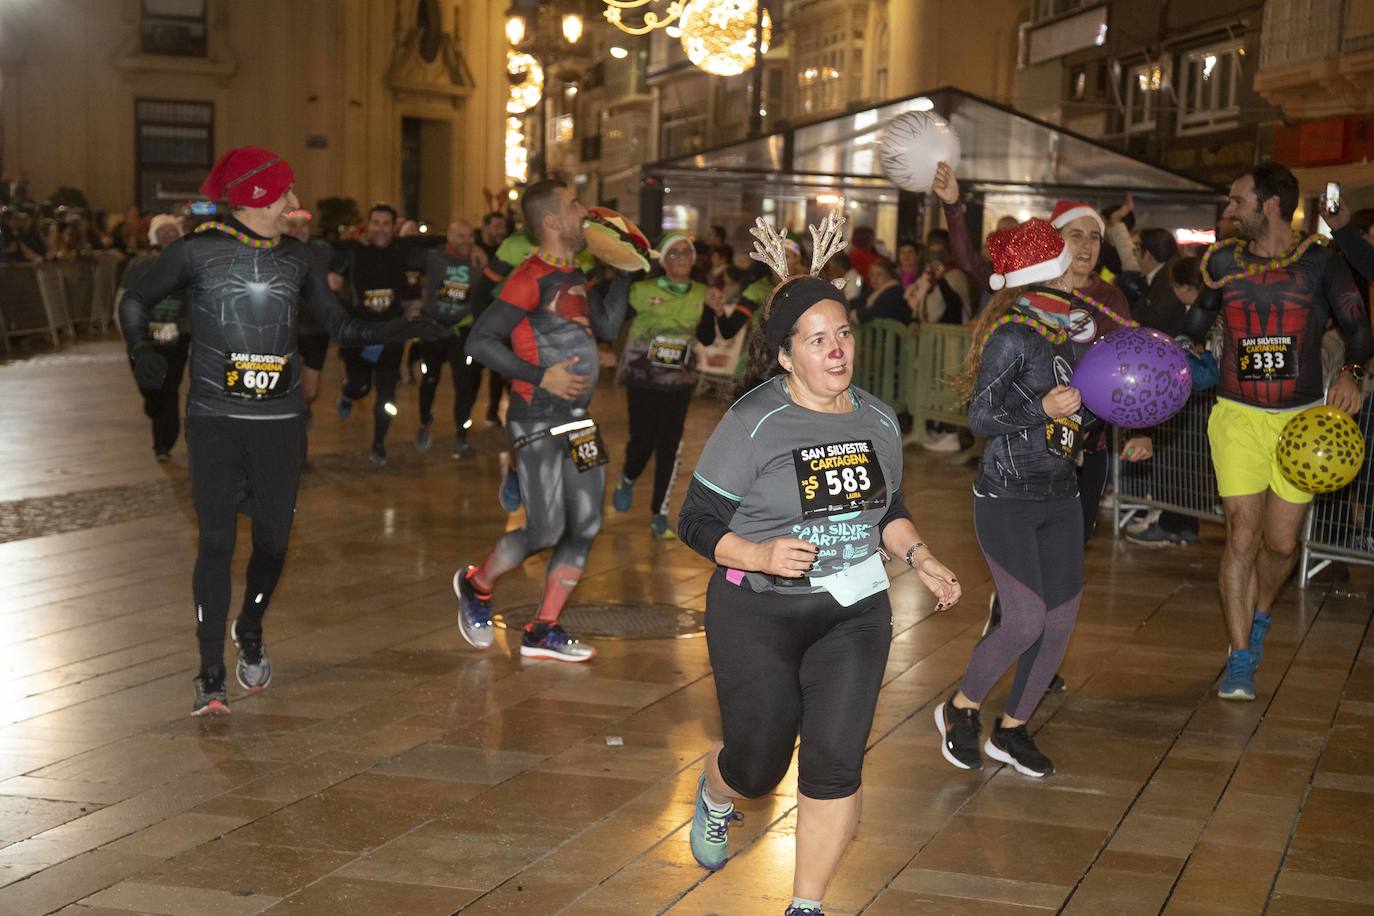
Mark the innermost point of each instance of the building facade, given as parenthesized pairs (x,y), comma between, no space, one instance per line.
(649,102)
(1169,82)
(131,100)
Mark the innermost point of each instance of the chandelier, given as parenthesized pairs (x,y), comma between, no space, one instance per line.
(718,36)
(615,9)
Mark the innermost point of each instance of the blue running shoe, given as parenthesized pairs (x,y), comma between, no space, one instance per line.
(624,495)
(510,491)
(1258,628)
(658,527)
(1239,682)
(474,610)
(543,640)
(710,845)
(345,407)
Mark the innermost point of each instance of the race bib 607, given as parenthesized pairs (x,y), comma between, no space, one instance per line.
(257,376)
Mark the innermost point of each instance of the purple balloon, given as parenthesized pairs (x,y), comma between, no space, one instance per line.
(1134,378)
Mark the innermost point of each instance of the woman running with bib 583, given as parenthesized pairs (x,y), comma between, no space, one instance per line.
(796,493)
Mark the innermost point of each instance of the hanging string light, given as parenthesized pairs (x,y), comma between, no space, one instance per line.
(615,10)
(526,81)
(718,36)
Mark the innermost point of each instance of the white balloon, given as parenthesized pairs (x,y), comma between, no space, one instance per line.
(913,144)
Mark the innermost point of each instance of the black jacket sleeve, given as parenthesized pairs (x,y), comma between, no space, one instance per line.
(331,315)
(484,290)
(1357,251)
(169,273)
(706,328)
(1348,308)
(996,408)
(730,325)
(1202,315)
(705,519)
(607,304)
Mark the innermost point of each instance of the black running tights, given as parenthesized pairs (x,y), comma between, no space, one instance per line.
(249,466)
(789,663)
(657,416)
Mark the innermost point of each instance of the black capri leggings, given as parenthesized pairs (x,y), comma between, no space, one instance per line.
(789,662)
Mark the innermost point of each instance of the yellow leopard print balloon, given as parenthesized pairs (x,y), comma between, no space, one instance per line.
(1320,450)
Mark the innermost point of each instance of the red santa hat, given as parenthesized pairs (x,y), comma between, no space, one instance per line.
(249,176)
(1066,211)
(1032,252)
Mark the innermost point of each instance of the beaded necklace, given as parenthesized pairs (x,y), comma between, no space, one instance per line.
(1052,335)
(554,260)
(1089,300)
(243,237)
(1239,244)
(1044,330)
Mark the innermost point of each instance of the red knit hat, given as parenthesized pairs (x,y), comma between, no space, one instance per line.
(249,176)
(1066,211)
(1032,252)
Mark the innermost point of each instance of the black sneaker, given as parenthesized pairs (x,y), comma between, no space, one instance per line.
(1015,747)
(211,698)
(959,732)
(1057,685)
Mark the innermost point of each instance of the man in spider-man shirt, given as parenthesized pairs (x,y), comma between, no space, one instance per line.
(541,333)
(1275,296)
(246,281)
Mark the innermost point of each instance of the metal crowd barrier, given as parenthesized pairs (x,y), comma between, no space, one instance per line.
(1179,478)
(1340,526)
(57,298)
(885,352)
(940,352)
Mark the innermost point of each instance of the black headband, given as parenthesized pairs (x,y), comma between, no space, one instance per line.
(791,302)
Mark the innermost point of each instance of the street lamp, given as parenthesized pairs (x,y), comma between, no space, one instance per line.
(572,27)
(515,27)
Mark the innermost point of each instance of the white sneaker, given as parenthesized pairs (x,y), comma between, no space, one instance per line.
(942,442)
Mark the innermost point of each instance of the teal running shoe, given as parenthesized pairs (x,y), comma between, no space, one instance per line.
(710,845)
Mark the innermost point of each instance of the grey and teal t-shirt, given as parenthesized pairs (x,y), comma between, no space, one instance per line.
(826,478)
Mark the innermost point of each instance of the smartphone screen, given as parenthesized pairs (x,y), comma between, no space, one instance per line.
(1333,196)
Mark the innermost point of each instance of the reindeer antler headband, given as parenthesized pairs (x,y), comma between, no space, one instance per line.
(770,246)
(792,297)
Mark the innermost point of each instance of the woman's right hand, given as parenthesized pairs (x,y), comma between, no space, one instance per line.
(1062,401)
(790,558)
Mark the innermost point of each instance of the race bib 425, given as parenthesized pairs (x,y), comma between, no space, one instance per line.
(257,376)
(839,477)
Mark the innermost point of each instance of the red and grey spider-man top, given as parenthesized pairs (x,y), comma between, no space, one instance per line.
(545,315)
(1274,319)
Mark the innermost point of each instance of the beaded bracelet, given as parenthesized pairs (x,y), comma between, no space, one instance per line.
(241,236)
(1272,264)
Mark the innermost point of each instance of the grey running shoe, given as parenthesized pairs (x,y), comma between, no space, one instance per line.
(474,610)
(211,698)
(254,670)
(552,641)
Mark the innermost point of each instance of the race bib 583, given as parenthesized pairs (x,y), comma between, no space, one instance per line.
(839,477)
